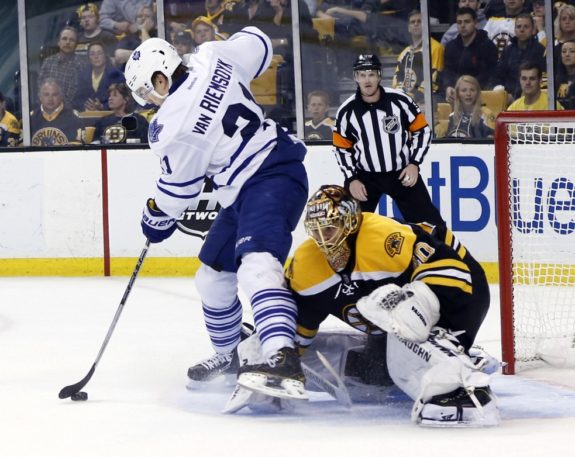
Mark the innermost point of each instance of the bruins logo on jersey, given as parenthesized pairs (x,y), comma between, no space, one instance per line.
(115,134)
(394,243)
(352,316)
(49,136)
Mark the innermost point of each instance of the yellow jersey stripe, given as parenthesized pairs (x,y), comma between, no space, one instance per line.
(448,282)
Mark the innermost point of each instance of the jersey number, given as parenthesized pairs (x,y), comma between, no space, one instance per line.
(230,119)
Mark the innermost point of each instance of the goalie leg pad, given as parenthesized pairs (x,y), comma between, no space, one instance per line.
(448,388)
(409,312)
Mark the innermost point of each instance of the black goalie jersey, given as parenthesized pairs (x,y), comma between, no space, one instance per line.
(389,252)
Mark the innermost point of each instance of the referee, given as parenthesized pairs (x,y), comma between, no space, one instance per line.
(380,139)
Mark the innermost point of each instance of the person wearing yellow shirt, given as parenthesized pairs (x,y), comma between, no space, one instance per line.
(533,98)
(409,75)
(9,126)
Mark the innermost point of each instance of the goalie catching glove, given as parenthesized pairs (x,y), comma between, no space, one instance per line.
(409,312)
(156,225)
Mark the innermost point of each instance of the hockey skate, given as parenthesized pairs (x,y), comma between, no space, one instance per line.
(460,408)
(226,364)
(281,376)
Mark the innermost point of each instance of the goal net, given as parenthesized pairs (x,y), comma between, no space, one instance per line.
(535,190)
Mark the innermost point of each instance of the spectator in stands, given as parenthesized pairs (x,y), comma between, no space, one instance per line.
(89,18)
(471,53)
(64,66)
(501,29)
(273,17)
(351,20)
(533,99)
(9,126)
(179,13)
(223,13)
(538,14)
(564,29)
(565,79)
(469,119)
(119,16)
(564,25)
(93,82)
(524,47)
(145,28)
(203,30)
(409,75)
(183,43)
(53,124)
(452,32)
(110,130)
(320,126)
(387,24)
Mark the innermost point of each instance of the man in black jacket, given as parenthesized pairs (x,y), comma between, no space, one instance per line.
(524,47)
(471,53)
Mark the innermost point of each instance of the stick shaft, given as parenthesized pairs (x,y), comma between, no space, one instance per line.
(75,388)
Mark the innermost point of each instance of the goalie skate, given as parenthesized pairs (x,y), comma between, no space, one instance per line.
(257,402)
(281,376)
(460,408)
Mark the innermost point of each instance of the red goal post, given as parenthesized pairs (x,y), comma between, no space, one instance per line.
(535,195)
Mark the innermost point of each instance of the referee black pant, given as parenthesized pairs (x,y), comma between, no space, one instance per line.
(414,202)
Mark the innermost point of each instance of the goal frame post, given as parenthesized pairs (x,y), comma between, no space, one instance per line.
(504,220)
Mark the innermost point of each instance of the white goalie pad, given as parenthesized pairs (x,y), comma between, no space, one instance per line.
(409,312)
(436,367)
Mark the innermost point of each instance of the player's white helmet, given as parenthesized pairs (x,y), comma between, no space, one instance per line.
(332,215)
(151,56)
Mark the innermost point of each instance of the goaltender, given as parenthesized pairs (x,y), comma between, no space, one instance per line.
(416,283)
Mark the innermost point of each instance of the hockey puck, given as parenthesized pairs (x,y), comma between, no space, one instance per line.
(79,396)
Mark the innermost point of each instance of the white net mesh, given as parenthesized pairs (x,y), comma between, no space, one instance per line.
(542,206)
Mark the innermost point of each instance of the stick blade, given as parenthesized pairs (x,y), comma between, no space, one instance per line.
(70,390)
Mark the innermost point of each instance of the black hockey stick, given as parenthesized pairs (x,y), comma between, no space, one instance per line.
(73,389)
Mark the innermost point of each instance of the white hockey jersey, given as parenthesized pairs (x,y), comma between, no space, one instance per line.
(211,125)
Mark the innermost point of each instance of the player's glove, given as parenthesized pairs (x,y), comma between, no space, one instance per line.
(156,225)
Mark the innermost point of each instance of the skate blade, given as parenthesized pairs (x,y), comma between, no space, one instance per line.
(289,389)
(239,399)
(222,381)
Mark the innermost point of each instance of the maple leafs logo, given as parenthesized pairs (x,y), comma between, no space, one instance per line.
(154,131)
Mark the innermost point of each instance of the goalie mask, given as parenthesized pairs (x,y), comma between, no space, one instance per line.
(152,56)
(332,215)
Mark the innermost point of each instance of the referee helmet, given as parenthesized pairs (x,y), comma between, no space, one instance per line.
(367,62)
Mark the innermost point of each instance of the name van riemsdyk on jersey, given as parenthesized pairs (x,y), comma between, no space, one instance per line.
(213,95)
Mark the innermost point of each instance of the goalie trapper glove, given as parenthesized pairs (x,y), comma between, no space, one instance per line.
(156,225)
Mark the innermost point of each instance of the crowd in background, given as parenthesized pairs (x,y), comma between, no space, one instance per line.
(485,57)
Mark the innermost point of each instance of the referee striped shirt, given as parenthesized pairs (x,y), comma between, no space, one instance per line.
(380,137)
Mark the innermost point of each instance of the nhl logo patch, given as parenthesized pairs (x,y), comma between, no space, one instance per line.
(391,124)
(394,243)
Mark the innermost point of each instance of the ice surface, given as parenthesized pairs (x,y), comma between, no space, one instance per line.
(51,330)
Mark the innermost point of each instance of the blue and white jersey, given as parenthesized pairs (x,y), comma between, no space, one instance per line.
(211,126)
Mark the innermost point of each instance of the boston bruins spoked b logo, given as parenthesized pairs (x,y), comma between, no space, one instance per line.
(198,218)
(391,124)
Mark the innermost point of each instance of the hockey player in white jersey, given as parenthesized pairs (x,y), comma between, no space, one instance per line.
(209,126)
